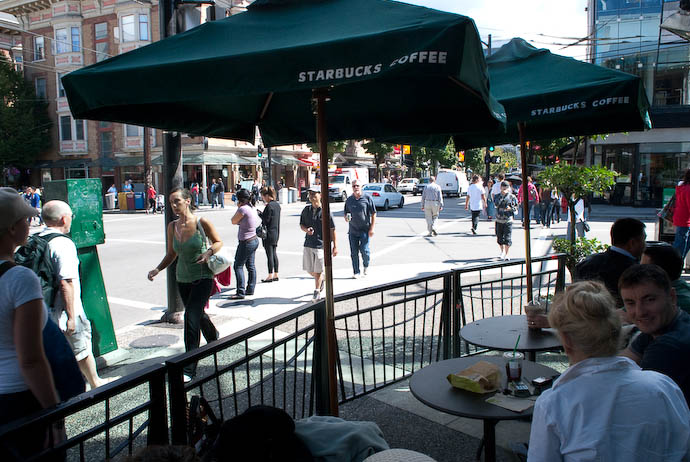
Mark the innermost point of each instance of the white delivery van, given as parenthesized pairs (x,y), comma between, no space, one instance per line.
(452,182)
(340,181)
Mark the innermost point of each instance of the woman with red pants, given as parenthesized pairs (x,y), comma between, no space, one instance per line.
(681,216)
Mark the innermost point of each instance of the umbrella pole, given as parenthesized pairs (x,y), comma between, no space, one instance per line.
(320,95)
(525,210)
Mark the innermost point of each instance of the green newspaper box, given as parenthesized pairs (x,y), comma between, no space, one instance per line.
(84,197)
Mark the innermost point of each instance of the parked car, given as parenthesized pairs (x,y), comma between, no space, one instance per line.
(407,185)
(419,187)
(384,195)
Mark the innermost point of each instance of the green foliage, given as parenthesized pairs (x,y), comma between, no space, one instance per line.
(474,159)
(582,249)
(380,151)
(576,181)
(334,147)
(24,121)
(424,158)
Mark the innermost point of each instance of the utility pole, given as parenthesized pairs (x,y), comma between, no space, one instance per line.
(172,173)
(270,168)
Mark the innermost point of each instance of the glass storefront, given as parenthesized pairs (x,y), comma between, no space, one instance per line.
(644,170)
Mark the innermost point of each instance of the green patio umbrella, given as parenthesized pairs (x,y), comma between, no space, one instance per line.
(551,96)
(381,68)
(392,68)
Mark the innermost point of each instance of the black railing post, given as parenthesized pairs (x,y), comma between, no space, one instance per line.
(320,369)
(457,324)
(447,314)
(178,404)
(158,412)
(560,275)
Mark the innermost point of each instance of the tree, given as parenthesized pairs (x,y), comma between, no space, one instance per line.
(334,147)
(576,182)
(426,157)
(24,121)
(474,160)
(380,151)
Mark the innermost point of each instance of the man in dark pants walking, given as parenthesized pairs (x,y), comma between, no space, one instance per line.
(360,212)
(476,201)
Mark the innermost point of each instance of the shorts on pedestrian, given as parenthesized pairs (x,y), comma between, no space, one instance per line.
(504,233)
(312,260)
(80,340)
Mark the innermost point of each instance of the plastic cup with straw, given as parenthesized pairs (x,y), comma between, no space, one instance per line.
(513,363)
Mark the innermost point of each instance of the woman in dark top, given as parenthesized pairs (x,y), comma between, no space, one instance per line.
(270,218)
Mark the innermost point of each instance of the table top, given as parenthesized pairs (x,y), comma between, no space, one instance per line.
(501,332)
(430,386)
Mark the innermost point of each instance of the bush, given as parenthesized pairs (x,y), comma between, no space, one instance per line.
(583,248)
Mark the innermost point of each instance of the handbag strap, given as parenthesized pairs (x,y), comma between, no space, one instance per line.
(201,230)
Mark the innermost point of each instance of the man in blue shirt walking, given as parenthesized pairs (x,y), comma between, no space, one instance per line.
(360,213)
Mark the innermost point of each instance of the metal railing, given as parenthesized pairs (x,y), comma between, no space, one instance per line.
(102,424)
(383,333)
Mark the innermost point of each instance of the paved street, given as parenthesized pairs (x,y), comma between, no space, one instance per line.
(135,244)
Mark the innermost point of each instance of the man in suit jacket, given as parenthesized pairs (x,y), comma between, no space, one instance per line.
(627,244)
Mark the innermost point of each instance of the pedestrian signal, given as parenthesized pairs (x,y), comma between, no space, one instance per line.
(507,164)
(461,156)
(406,149)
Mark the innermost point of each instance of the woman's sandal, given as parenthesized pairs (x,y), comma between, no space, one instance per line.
(269,280)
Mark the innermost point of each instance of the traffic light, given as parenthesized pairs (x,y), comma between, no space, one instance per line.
(259,151)
(461,156)
(491,149)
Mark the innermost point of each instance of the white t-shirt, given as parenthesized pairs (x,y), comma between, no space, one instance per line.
(475,193)
(496,188)
(18,286)
(63,253)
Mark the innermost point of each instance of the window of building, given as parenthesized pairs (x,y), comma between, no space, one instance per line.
(41,92)
(61,44)
(106,143)
(71,129)
(133,130)
(143,27)
(61,89)
(101,37)
(65,128)
(78,171)
(103,124)
(76,40)
(101,30)
(129,33)
(39,49)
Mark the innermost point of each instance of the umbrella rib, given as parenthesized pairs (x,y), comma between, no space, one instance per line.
(471,90)
(265,108)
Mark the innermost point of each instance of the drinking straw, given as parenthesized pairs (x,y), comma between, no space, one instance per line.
(516,344)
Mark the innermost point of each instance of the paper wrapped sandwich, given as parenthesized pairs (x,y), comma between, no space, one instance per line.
(481,377)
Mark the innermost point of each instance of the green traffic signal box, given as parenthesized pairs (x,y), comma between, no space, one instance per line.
(84,197)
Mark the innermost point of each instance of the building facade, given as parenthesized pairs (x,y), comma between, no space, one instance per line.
(54,37)
(625,35)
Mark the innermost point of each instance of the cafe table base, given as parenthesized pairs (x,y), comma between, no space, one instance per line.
(430,386)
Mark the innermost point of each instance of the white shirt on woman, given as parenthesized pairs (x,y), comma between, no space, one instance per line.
(609,409)
(19,285)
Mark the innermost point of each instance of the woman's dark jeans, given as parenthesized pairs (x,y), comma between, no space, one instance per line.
(244,256)
(272,255)
(195,296)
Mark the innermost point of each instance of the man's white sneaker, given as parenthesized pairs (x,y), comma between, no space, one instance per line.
(365,270)
(355,276)
(317,295)
(501,256)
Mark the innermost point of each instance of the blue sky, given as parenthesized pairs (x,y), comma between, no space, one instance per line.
(559,21)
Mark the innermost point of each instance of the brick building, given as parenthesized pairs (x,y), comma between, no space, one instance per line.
(51,38)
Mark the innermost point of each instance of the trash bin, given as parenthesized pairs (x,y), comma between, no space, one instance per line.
(293,194)
(122,200)
(130,202)
(283,196)
(109,202)
(139,201)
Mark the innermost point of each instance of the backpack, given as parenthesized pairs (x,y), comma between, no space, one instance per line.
(35,255)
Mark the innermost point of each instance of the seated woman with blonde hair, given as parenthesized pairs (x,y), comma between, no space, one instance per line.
(604,407)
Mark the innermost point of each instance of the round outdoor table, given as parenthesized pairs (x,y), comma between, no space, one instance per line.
(430,386)
(501,332)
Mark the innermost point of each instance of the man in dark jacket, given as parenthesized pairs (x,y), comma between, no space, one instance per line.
(627,244)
